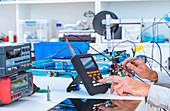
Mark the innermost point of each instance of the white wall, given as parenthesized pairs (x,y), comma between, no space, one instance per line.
(7,18)
(140,9)
(66,13)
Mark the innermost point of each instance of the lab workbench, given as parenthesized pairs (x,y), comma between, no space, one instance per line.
(38,101)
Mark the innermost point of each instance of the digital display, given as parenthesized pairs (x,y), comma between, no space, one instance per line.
(19,83)
(88,62)
(13,54)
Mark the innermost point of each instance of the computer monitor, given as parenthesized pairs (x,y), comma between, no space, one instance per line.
(126,32)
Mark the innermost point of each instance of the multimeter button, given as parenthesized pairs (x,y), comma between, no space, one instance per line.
(98,74)
(97,70)
(93,81)
(94,74)
(97,81)
(102,83)
(90,75)
(16,95)
(98,77)
(97,84)
(94,78)
(91,72)
(20,93)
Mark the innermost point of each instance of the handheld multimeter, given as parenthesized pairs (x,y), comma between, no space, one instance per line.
(89,74)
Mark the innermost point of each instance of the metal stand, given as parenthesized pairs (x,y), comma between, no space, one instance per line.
(108,32)
(74,85)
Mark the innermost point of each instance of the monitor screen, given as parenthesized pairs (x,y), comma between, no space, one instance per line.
(126,32)
(118,34)
(88,62)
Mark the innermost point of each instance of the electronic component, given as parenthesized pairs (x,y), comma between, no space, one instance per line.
(15,86)
(77,35)
(64,64)
(14,58)
(88,73)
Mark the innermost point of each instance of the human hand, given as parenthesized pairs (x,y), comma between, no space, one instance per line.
(127,85)
(140,68)
(122,105)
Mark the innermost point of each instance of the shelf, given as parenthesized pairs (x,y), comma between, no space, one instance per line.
(47,2)
(8,2)
(130,0)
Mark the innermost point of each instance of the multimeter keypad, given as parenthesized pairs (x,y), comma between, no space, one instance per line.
(95,76)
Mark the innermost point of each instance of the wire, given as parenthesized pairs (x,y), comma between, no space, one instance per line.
(143,34)
(139,79)
(159,22)
(93,48)
(45,67)
(122,67)
(135,76)
(167,25)
(148,63)
(157,33)
(158,63)
(160,54)
(56,54)
(153,32)
(123,42)
(163,109)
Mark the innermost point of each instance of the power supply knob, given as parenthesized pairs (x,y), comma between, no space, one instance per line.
(9,69)
(14,68)
(28,64)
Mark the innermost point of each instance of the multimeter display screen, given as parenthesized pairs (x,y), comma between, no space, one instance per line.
(19,83)
(88,62)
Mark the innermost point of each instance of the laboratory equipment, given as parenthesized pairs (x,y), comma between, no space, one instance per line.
(77,35)
(88,73)
(34,30)
(15,86)
(14,57)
